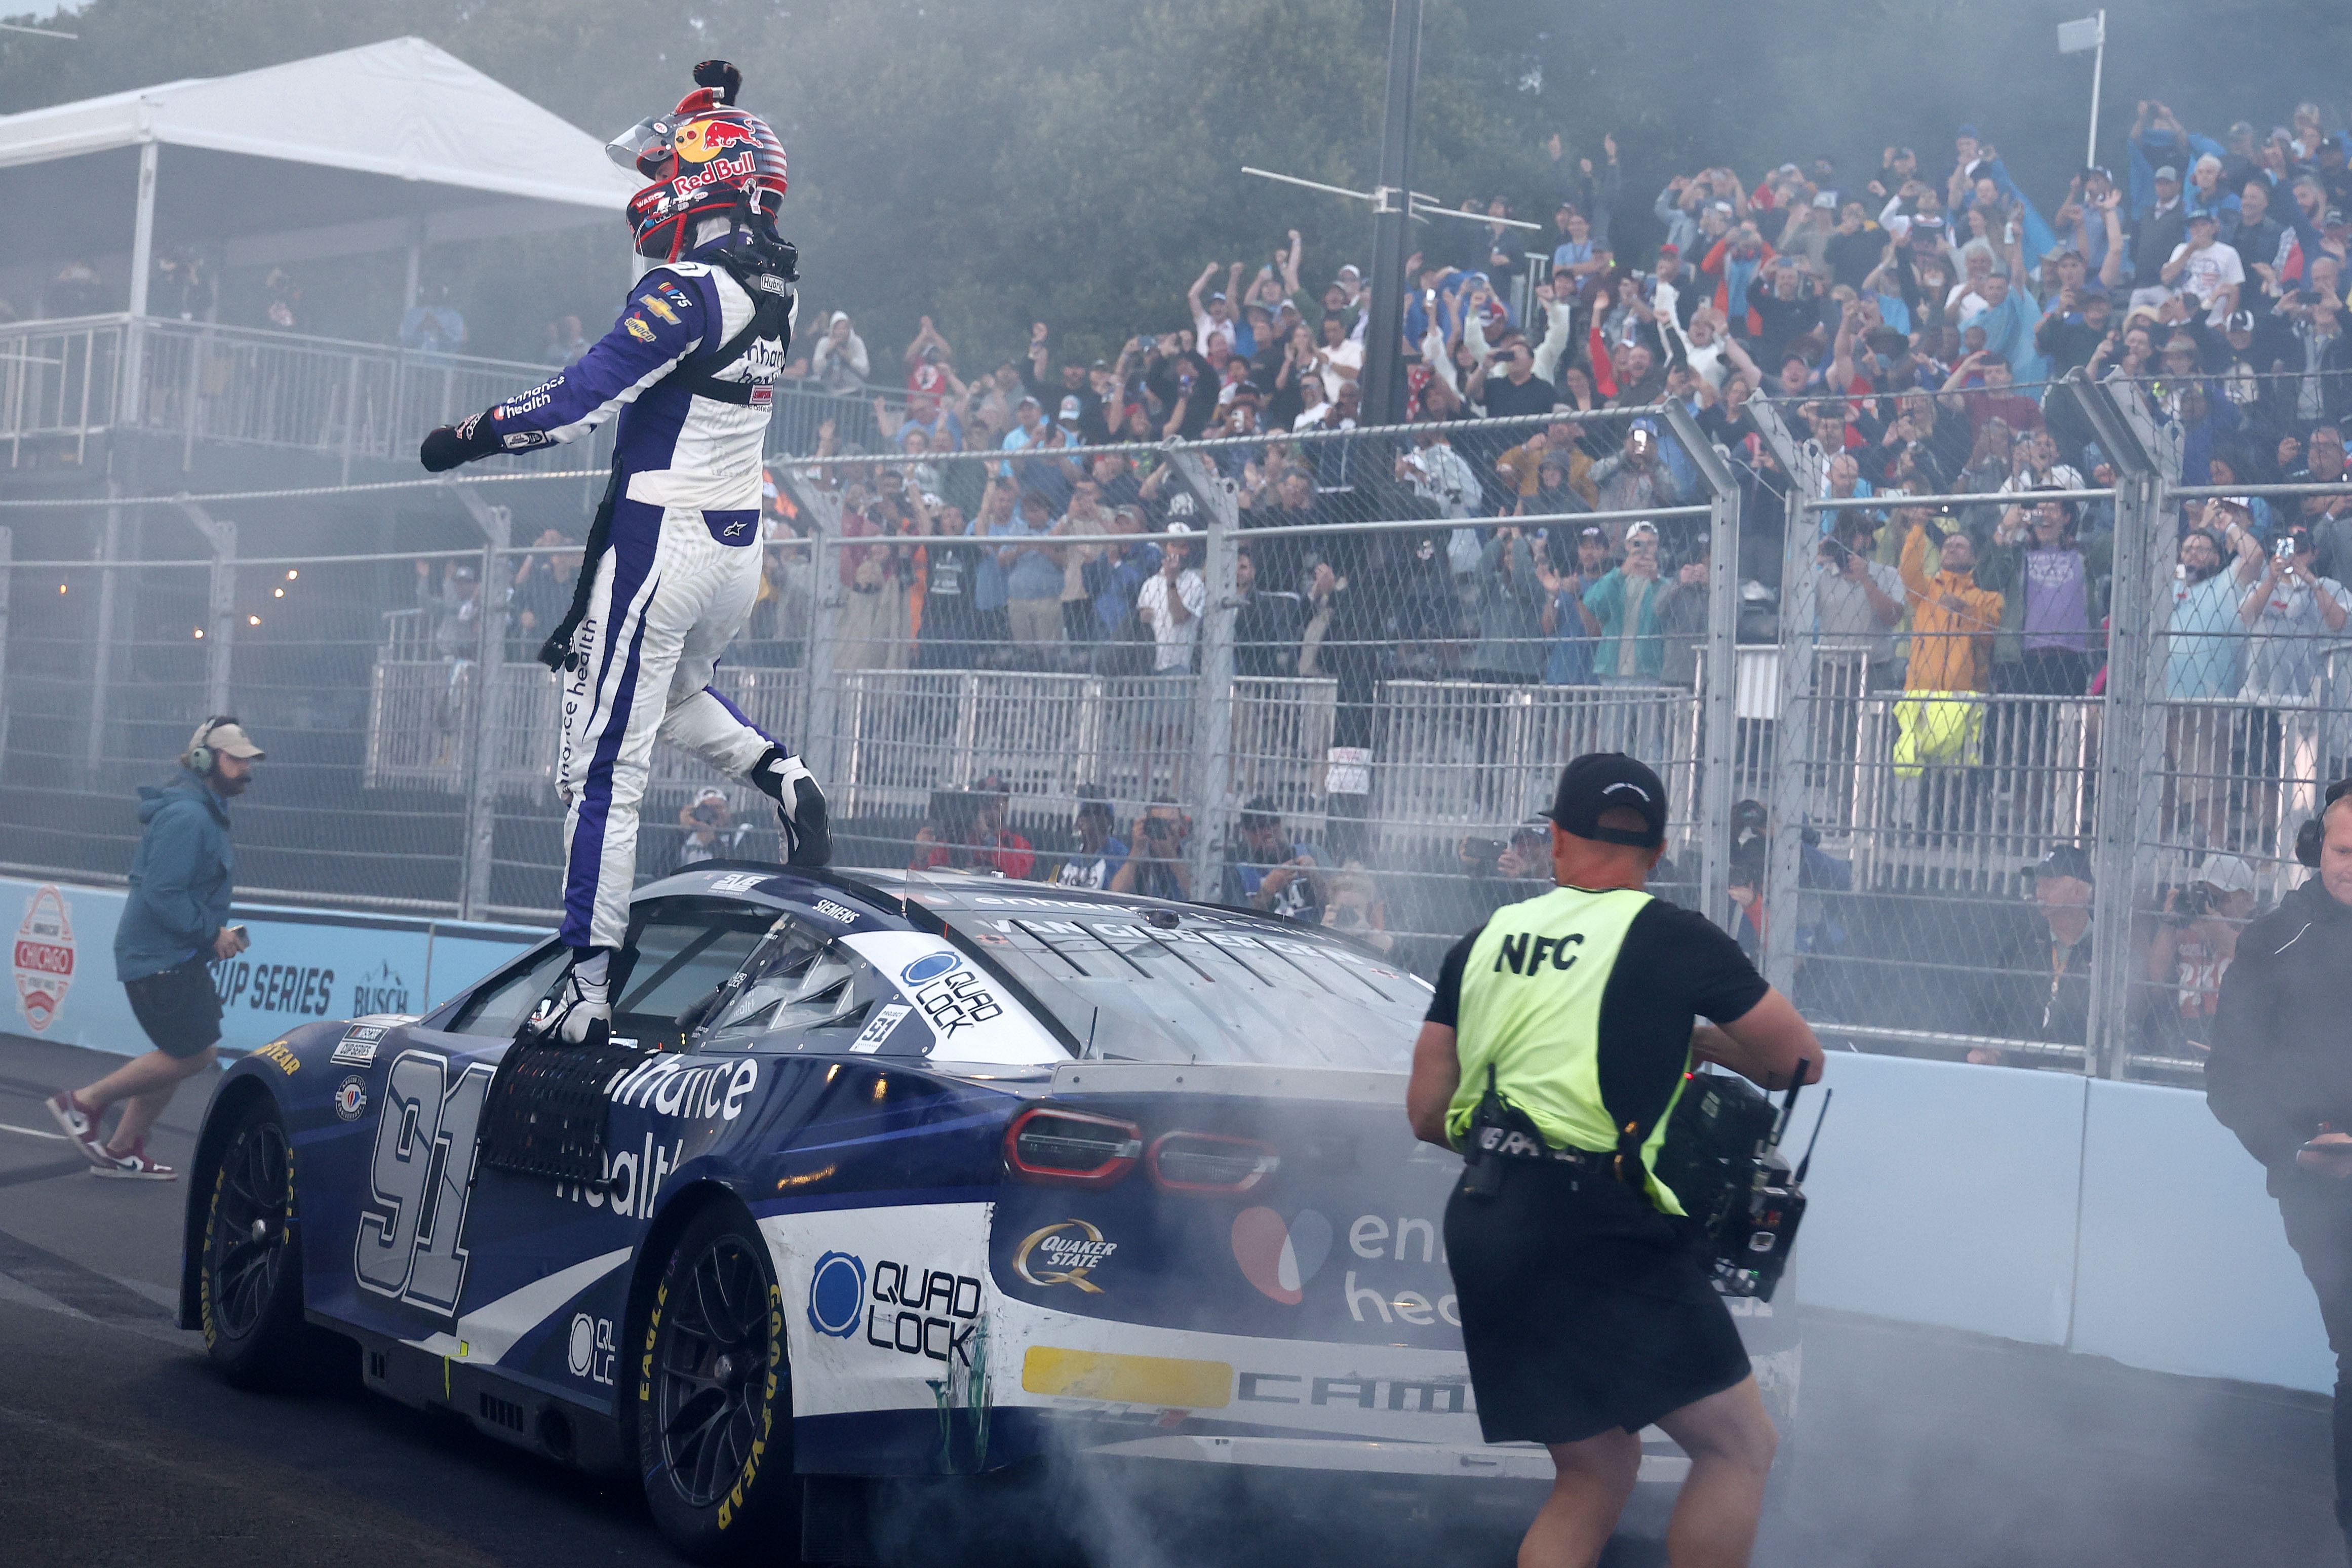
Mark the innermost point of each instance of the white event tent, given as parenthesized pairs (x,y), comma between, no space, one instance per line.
(392,146)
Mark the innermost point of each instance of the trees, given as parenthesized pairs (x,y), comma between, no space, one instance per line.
(991,164)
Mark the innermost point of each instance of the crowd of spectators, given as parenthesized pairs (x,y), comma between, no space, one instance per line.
(1910,318)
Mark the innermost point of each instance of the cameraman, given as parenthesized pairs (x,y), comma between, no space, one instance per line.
(2279,1078)
(710,830)
(1156,868)
(1587,1311)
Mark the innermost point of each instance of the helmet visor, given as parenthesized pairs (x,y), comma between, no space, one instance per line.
(645,143)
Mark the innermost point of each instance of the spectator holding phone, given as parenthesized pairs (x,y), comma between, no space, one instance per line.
(1155,867)
(1267,871)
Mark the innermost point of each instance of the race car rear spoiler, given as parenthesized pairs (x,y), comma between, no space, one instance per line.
(1244,1080)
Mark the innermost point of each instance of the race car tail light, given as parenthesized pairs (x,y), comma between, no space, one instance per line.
(1210,1162)
(1048,1144)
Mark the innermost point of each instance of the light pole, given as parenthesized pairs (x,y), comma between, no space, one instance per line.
(1392,223)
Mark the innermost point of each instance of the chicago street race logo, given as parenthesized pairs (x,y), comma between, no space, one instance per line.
(44,959)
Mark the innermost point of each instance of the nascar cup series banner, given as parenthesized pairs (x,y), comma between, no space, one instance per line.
(303,966)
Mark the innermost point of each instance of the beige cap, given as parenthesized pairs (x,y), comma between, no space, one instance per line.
(226,737)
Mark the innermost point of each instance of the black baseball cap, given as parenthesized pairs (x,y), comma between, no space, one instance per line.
(2065,860)
(1606,781)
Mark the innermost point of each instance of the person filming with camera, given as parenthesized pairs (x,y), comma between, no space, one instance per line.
(2279,1078)
(1557,1043)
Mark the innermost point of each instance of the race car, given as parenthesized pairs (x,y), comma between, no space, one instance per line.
(885,1174)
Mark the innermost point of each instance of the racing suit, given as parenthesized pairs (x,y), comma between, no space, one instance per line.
(679,567)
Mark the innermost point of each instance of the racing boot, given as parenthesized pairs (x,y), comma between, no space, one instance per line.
(800,807)
(580,1010)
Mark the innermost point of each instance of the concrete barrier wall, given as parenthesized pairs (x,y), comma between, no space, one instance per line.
(303,964)
(2117,1219)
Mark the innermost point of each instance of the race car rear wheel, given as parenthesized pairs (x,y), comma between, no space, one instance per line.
(714,1398)
(250,1289)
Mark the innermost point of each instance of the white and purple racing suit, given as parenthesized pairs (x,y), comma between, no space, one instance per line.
(681,567)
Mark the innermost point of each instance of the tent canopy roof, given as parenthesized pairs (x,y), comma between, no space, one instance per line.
(367,149)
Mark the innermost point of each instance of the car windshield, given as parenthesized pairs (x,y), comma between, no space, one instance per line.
(1204,987)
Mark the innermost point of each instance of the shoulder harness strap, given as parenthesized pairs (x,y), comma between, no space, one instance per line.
(766,274)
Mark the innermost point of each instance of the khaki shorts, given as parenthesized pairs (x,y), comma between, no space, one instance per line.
(1035,620)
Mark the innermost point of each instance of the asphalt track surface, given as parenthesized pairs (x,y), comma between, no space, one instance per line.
(120,1446)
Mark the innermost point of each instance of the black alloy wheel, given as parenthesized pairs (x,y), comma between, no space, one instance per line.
(716,1434)
(250,1287)
(249,1235)
(713,1372)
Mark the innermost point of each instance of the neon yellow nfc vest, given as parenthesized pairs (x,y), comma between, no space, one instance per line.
(1530,1008)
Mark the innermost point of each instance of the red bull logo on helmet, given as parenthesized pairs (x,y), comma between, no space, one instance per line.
(700,140)
(724,169)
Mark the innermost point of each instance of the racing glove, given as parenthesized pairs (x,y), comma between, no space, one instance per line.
(445,448)
(800,807)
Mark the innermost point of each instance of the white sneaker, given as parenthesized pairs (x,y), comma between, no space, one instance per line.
(80,1124)
(135,1166)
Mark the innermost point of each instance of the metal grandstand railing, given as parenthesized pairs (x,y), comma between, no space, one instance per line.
(61,384)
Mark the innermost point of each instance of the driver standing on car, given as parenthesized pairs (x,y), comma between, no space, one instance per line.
(1554,1049)
(672,565)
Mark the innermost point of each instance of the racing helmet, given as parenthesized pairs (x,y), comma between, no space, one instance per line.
(706,159)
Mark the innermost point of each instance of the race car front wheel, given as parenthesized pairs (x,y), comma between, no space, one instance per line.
(713,1398)
(250,1290)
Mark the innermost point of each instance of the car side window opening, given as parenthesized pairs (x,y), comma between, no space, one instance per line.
(804,990)
(501,1005)
(681,956)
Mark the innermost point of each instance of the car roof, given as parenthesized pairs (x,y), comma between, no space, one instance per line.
(886,892)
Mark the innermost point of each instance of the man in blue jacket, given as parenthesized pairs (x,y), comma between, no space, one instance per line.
(174,925)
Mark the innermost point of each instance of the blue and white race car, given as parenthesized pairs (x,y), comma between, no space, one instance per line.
(885,1175)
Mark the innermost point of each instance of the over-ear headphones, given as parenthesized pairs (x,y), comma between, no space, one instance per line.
(203,759)
(2308,837)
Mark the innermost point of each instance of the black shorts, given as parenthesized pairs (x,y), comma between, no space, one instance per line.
(1583,1309)
(178,1009)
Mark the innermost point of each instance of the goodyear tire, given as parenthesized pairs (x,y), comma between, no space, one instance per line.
(249,1286)
(712,1398)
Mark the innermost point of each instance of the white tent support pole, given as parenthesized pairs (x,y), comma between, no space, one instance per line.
(415,264)
(142,263)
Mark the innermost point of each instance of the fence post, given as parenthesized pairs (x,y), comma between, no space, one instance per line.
(1794,732)
(480,748)
(220,612)
(2131,744)
(1210,774)
(7,556)
(483,745)
(110,546)
(1719,671)
(819,749)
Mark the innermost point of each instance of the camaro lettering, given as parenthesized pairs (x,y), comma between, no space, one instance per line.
(1410,1396)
